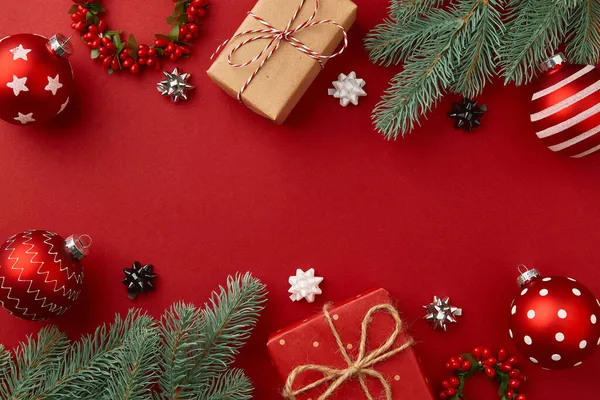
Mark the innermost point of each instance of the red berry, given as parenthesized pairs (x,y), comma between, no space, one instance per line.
(523,377)
(151,52)
(201,12)
(510,393)
(445,384)
(102,26)
(443,395)
(188,37)
(451,391)
(142,53)
(514,361)
(128,62)
(454,382)
(448,365)
(170,47)
(142,61)
(135,68)
(504,367)
(477,353)
(514,373)
(79,26)
(106,61)
(466,365)
(151,61)
(486,353)
(160,42)
(514,383)
(192,28)
(185,49)
(490,361)
(490,371)
(520,397)
(502,355)
(114,63)
(173,57)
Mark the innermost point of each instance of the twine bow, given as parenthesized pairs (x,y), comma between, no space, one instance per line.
(276,37)
(361,367)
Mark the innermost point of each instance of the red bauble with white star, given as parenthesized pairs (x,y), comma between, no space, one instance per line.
(566,107)
(555,320)
(36,78)
(40,273)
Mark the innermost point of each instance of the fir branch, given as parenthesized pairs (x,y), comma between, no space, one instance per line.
(394,40)
(180,332)
(478,50)
(583,39)
(429,72)
(5,359)
(137,367)
(226,325)
(233,385)
(85,371)
(32,361)
(534,31)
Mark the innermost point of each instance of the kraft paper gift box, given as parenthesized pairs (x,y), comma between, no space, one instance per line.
(280,83)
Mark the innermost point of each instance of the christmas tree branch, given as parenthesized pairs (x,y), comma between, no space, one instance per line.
(226,325)
(180,331)
(583,39)
(137,368)
(32,360)
(430,70)
(535,28)
(393,41)
(90,363)
(231,385)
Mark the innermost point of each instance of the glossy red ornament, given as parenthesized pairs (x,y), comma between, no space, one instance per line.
(40,273)
(566,107)
(554,320)
(36,78)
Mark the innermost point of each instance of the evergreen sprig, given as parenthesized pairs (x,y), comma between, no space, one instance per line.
(187,354)
(461,45)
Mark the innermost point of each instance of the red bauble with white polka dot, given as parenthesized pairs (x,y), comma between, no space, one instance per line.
(555,320)
(35,78)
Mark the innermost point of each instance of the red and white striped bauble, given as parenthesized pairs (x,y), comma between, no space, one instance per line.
(566,107)
(40,273)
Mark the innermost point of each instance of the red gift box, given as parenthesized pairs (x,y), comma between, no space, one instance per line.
(310,359)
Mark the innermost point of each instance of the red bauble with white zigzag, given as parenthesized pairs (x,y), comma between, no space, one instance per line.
(41,274)
(566,107)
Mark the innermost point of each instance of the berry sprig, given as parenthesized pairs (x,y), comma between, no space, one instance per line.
(117,55)
(500,366)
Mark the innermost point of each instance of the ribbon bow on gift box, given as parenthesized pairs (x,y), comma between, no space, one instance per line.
(276,37)
(361,367)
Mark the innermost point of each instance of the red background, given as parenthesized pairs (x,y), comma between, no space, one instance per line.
(207,188)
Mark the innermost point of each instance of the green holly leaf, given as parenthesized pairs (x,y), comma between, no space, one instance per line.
(95,8)
(111,71)
(73,9)
(117,40)
(160,36)
(173,20)
(174,33)
(179,8)
(503,382)
(160,52)
(89,18)
(132,44)
(95,54)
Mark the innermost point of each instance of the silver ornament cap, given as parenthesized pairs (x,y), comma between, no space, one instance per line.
(60,46)
(552,62)
(78,245)
(527,275)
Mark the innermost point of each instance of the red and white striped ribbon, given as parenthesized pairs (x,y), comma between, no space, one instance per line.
(276,37)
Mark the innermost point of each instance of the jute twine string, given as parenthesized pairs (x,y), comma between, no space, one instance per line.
(361,367)
(276,37)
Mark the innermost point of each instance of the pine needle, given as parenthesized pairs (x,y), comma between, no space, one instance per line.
(583,39)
